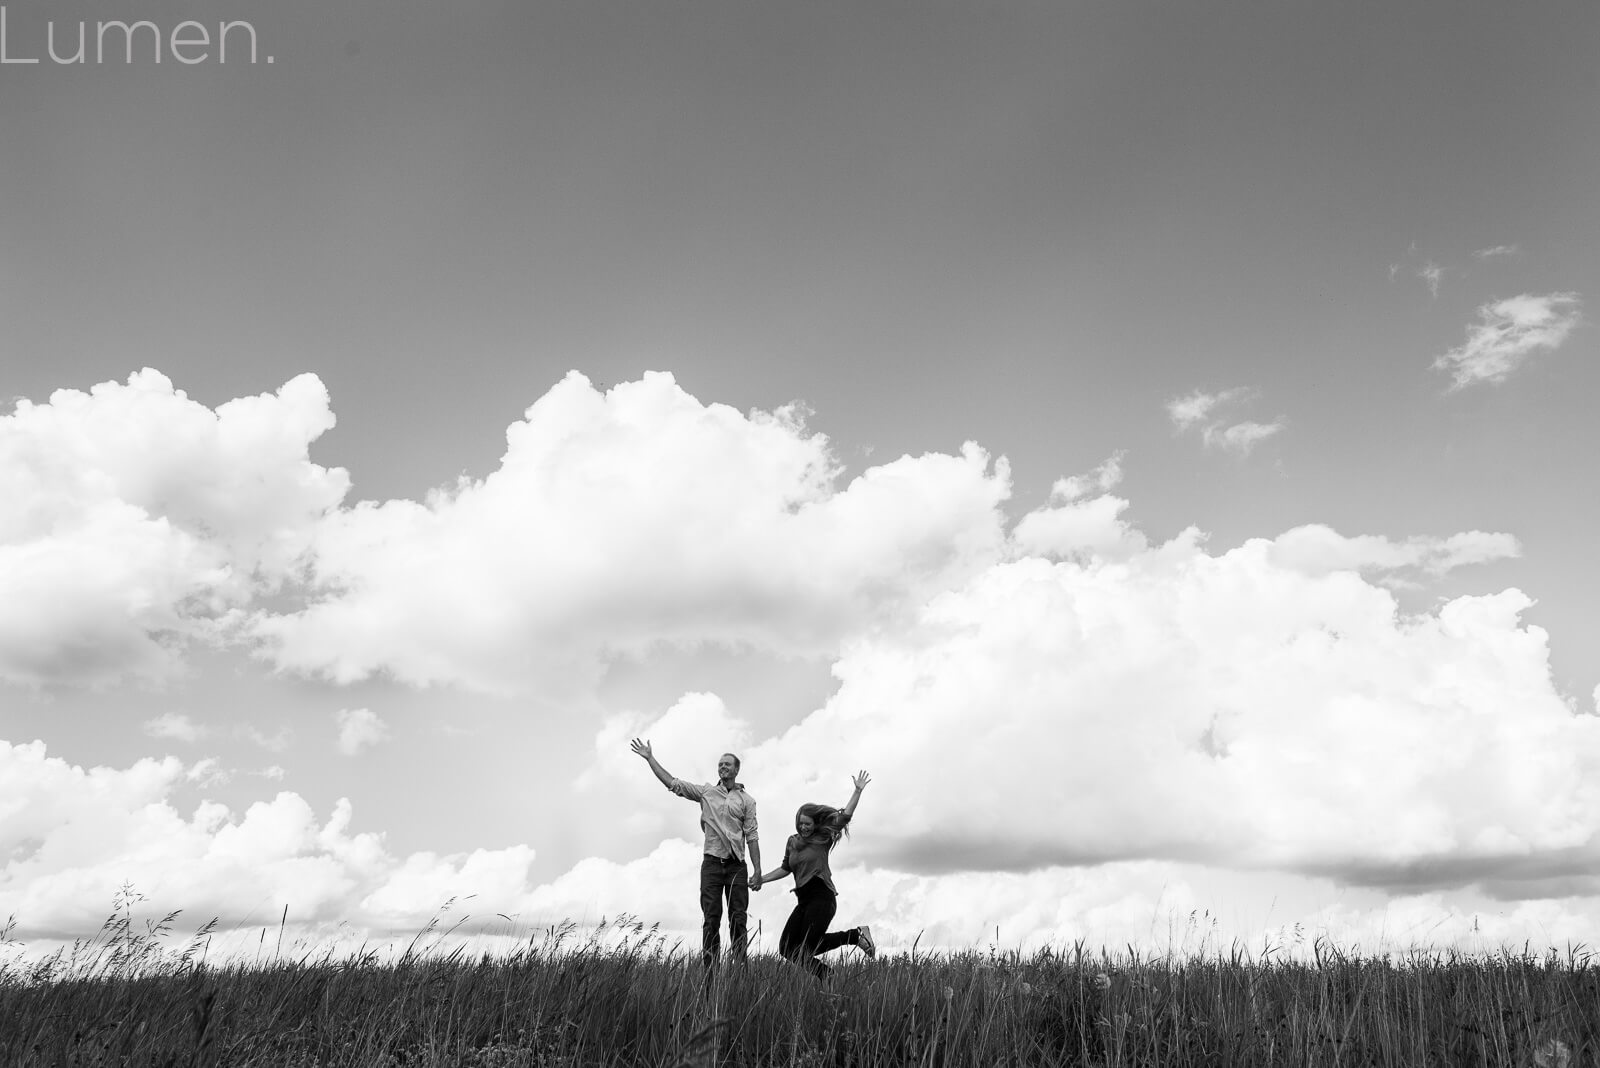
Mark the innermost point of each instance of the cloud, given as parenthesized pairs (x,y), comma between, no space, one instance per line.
(1432,274)
(208,772)
(1239,438)
(687,740)
(1198,409)
(276,742)
(1508,333)
(1317,550)
(1102,479)
(359,728)
(1076,523)
(624,519)
(1268,708)
(1496,252)
(174,725)
(71,835)
(1194,408)
(618,521)
(139,521)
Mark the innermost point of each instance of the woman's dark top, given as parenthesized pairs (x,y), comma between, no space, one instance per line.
(807,858)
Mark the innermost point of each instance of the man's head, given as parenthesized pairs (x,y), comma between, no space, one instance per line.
(727,767)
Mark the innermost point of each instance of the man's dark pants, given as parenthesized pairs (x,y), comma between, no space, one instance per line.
(719,878)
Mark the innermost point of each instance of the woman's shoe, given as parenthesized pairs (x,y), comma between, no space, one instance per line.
(864,940)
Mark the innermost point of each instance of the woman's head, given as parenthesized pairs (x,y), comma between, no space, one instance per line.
(814,820)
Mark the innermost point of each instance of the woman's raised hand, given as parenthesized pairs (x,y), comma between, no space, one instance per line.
(861,778)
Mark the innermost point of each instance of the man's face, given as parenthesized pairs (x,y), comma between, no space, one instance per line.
(727,767)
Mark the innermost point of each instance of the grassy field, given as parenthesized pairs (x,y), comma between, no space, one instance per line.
(623,996)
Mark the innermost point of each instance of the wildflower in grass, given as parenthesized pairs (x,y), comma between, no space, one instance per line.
(949,993)
(1025,988)
(1102,982)
(1552,1053)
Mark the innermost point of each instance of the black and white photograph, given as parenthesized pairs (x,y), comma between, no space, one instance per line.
(824,532)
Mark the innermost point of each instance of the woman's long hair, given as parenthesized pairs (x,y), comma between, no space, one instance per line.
(827,822)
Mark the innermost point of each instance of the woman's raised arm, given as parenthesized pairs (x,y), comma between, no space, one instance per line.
(860,779)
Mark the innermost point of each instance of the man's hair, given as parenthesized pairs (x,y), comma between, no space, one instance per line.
(736,764)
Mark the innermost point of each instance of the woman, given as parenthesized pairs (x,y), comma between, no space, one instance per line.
(817,830)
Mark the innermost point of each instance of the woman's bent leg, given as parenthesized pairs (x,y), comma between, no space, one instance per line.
(808,926)
(834,939)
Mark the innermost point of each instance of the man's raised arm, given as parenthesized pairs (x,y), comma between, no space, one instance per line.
(642,748)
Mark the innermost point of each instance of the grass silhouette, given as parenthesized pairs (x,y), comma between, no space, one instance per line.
(620,994)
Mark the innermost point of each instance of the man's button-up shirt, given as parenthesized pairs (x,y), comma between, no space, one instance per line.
(727,815)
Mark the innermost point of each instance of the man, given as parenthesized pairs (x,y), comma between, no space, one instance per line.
(728,818)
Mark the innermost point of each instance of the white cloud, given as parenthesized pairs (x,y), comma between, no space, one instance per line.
(1497,251)
(1508,333)
(208,772)
(1075,523)
(1432,275)
(1195,408)
(1102,479)
(174,725)
(359,728)
(70,836)
(1316,550)
(276,742)
(139,520)
(624,519)
(1267,708)
(1199,409)
(687,740)
(1240,438)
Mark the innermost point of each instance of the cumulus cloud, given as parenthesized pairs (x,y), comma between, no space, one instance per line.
(1200,411)
(359,728)
(139,520)
(623,519)
(617,521)
(1508,333)
(1268,708)
(70,836)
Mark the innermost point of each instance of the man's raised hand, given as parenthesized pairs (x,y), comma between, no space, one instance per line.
(641,748)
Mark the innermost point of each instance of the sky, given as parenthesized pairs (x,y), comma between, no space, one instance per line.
(1154,440)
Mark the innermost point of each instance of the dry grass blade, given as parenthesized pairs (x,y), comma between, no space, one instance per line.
(700,1051)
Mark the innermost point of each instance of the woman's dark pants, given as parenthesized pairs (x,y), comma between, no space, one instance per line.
(721,878)
(806,933)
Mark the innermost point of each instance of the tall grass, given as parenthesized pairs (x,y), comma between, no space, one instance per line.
(620,995)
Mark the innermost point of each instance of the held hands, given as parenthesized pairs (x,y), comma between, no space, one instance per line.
(755,881)
(641,748)
(860,779)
